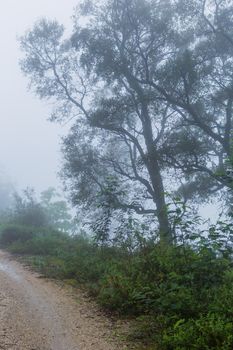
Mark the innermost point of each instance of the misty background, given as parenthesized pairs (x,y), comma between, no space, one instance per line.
(29,144)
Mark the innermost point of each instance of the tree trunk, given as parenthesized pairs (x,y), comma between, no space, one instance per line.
(152,163)
(159,200)
(156,179)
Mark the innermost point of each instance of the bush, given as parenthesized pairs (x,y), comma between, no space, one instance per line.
(37,246)
(210,332)
(15,233)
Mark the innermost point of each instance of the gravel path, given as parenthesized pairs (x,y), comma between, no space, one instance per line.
(37,314)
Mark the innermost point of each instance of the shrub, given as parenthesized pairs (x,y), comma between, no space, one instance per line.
(210,332)
(15,233)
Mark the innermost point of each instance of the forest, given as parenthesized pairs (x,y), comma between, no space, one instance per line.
(146,87)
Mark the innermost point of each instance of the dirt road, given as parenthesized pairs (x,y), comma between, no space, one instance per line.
(37,314)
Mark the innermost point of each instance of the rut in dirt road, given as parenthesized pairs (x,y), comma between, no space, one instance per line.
(36,314)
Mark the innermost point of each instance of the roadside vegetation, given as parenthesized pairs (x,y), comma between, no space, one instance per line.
(177,297)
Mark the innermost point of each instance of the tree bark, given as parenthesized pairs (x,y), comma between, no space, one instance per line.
(159,200)
(154,171)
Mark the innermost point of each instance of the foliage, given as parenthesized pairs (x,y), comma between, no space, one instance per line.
(15,233)
(50,211)
(30,239)
(210,332)
(57,210)
(28,211)
(180,296)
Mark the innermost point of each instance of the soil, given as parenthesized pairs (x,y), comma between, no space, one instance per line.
(39,314)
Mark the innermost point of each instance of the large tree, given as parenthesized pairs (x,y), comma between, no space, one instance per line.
(148,84)
(91,77)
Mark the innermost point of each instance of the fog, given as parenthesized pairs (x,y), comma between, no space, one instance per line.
(29,144)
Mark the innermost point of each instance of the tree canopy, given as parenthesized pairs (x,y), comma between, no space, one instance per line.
(148,86)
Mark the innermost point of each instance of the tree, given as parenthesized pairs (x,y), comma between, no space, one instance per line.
(91,78)
(50,211)
(150,98)
(56,210)
(28,211)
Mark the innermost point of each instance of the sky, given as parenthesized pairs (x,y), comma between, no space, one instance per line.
(29,144)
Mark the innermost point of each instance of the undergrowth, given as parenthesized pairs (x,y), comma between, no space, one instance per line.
(179,297)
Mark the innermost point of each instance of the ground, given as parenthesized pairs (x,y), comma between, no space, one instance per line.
(39,314)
